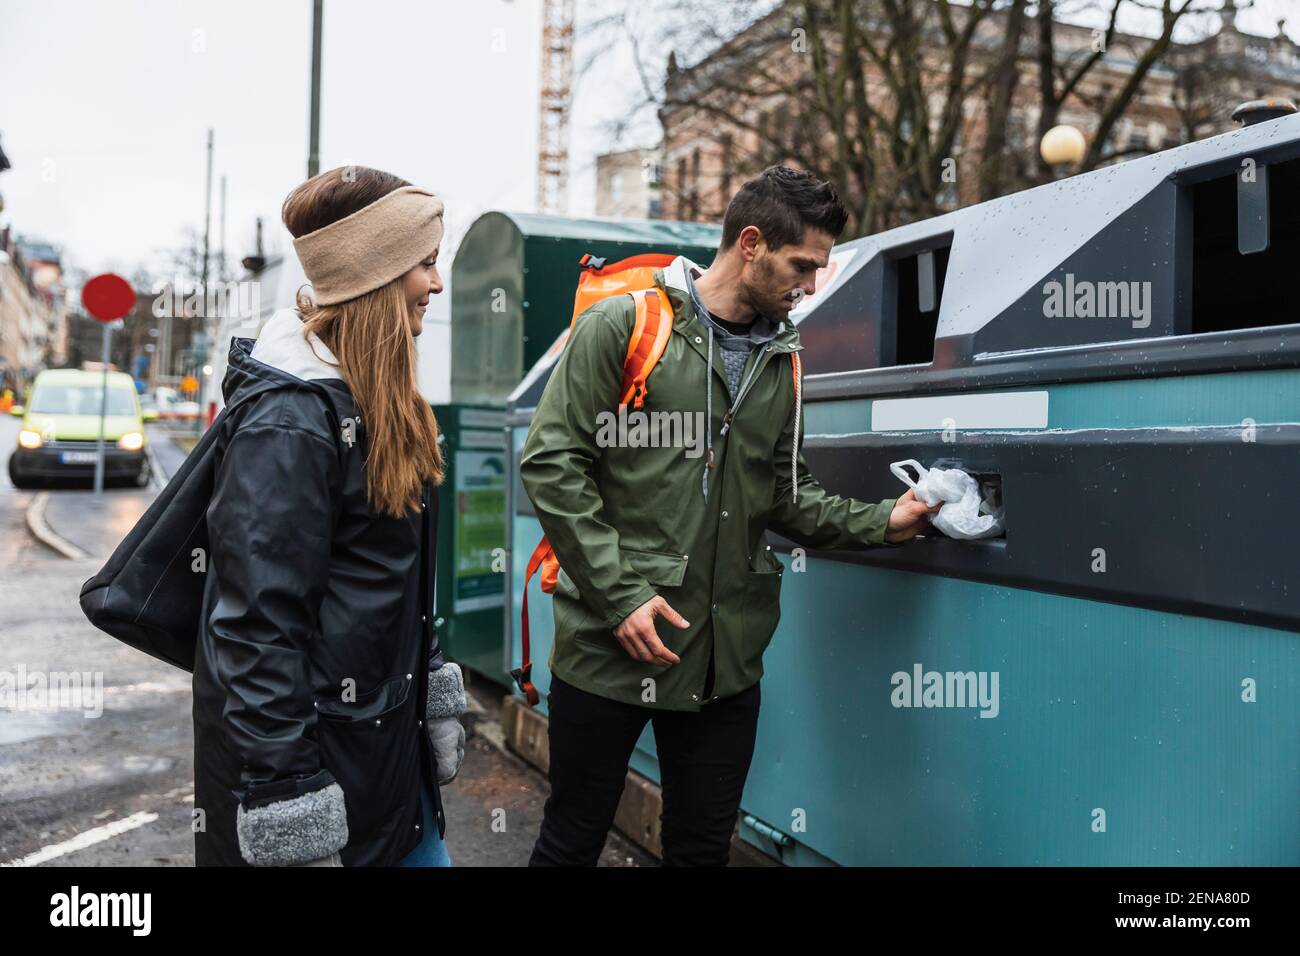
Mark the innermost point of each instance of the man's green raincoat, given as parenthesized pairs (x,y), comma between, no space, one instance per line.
(628,523)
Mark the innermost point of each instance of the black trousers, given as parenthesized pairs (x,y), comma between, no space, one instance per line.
(704,759)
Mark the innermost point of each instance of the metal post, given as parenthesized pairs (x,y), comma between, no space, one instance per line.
(313,154)
(103,410)
(205,321)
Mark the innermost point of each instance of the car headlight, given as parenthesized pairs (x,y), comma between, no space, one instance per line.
(131,441)
(30,439)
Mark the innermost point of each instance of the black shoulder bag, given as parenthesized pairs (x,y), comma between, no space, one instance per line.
(147,594)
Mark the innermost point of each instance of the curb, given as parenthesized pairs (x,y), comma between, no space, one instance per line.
(156,480)
(42,532)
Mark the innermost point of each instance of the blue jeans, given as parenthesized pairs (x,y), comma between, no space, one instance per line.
(432,851)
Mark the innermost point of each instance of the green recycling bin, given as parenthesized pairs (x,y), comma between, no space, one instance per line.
(512,286)
(468,594)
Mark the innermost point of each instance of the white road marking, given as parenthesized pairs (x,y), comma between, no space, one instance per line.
(149,687)
(83,840)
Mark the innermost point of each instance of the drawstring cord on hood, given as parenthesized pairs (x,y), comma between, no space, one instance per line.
(794,447)
(708,417)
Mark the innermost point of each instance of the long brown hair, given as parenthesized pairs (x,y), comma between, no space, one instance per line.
(371,338)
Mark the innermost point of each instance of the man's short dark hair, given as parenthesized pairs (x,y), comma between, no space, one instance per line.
(783,202)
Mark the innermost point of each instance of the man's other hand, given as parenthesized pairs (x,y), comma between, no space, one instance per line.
(637,632)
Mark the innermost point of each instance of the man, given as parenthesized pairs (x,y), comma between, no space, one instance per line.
(667,595)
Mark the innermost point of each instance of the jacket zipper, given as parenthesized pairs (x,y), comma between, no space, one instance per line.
(746,387)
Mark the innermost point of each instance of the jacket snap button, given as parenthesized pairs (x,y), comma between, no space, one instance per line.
(694,697)
(698,340)
(424,617)
(408,676)
(715,609)
(378,723)
(724,514)
(417,826)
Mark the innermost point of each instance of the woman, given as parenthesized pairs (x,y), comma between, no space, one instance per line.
(324,716)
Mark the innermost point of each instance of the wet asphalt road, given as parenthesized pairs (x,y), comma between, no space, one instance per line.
(112,785)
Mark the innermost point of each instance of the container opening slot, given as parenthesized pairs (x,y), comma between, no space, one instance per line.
(1232,290)
(919,283)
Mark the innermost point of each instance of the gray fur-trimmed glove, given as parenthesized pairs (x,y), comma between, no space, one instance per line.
(446,703)
(292,822)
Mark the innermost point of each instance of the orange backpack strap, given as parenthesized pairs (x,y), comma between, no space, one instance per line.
(544,558)
(650,334)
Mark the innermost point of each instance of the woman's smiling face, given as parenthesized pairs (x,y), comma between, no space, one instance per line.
(420,283)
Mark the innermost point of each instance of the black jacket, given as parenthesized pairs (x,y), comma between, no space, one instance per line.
(310,594)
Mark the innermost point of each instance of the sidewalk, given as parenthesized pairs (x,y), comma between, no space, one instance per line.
(96,525)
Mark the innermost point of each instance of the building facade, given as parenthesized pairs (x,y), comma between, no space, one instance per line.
(627,184)
(714,138)
(33,311)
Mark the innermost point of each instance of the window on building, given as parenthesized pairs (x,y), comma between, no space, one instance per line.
(728,162)
(682,189)
(695,183)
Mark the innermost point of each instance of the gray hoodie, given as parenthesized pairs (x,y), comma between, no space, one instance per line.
(734,347)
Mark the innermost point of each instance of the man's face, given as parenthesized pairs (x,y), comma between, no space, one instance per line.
(771,278)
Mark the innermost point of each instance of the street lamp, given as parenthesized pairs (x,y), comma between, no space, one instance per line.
(1061,145)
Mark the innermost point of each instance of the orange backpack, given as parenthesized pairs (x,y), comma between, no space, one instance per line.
(633,276)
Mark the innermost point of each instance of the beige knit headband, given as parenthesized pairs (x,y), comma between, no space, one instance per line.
(372,247)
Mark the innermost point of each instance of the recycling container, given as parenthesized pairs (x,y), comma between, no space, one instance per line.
(1113,680)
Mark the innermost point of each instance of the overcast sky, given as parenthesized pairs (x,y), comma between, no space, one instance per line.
(107,104)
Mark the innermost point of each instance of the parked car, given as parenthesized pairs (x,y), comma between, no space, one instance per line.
(171,407)
(149,408)
(60,430)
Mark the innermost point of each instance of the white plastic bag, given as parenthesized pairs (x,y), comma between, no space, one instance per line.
(964,515)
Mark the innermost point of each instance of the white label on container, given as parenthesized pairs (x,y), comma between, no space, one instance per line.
(984,410)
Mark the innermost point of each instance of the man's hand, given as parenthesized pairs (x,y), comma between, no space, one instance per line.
(909,517)
(637,632)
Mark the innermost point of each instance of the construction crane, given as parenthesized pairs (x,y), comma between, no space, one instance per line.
(557,81)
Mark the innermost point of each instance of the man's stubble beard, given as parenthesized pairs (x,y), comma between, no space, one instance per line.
(753,292)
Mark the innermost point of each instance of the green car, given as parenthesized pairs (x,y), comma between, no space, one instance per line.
(60,430)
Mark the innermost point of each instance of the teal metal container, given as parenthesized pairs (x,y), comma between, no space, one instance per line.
(1114,679)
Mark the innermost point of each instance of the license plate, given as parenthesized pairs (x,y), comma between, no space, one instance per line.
(77,457)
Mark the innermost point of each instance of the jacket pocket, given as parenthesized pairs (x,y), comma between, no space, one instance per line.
(660,568)
(372,748)
(573,619)
(761,614)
